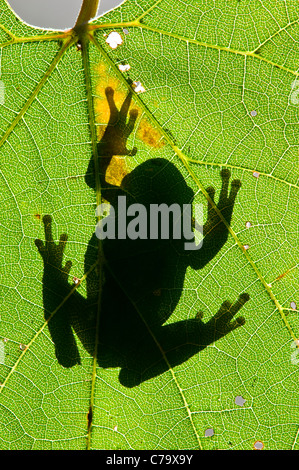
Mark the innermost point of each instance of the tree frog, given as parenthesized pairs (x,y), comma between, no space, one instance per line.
(136,285)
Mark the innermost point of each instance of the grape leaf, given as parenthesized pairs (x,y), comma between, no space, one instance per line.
(118,346)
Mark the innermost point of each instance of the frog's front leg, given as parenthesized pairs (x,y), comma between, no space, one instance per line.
(52,256)
(59,297)
(216,228)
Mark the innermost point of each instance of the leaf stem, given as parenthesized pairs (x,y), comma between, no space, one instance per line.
(88,11)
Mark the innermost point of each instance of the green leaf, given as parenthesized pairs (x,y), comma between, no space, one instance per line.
(132,345)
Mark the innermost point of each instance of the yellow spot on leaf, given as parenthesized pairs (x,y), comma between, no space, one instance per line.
(102,110)
(116,171)
(149,135)
(118,168)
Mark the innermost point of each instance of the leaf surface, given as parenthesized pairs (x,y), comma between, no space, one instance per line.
(219,92)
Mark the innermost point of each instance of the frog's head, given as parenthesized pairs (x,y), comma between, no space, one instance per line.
(158,181)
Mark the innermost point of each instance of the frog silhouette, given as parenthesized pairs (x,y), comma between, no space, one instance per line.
(135,284)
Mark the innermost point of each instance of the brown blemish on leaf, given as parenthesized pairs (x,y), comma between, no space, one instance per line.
(37,216)
(199,315)
(73,177)
(89,417)
(281,276)
(149,135)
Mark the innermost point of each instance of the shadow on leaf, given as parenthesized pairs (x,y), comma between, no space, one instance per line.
(143,277)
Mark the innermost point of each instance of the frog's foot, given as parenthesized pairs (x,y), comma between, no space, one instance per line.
(222,322)
(225,203)
(121,124)
(51,253)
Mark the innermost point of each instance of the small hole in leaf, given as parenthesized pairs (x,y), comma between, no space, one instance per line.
(124,67)
(138,88)
(293,306)
(239,400)
(246,247)
(253,113)
(209,432)
(256,174)
(114,39)
(248,224)
(258,445)
(23,347)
